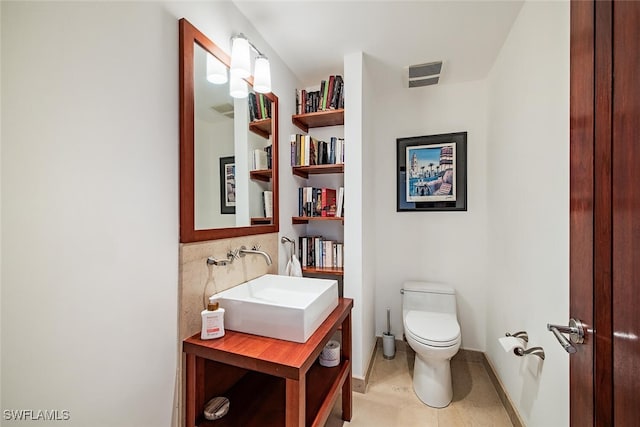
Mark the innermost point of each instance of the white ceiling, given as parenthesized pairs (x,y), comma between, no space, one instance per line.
(312,37)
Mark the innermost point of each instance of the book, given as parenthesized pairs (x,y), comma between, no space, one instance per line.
(267,199)
(328,202)
(317,201)
(313,151)
(307,150)
(329,96)
(303,251)
(260,159)
(261,106)
(269,149)
(337,90)
(339,202)
(292,141)
(252,107)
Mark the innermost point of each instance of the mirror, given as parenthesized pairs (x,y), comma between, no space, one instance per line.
(226,147)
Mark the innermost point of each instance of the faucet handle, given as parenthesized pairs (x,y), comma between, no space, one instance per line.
(233,254)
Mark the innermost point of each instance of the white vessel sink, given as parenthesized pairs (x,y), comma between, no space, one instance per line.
(283,307)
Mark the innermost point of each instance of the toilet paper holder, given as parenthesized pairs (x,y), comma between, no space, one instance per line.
(520,351)
(534,351)
(520,334)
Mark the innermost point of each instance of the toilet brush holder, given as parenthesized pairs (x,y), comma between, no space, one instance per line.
(388,345)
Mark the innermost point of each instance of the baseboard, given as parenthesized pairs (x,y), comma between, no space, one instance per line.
(502,394)
(360,384)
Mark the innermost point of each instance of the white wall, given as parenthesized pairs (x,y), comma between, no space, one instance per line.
(359,250)
(90,203)
(528,194)
(447,247)
(214,140)
(368,218)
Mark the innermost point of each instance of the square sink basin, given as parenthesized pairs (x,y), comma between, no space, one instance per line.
(282,307)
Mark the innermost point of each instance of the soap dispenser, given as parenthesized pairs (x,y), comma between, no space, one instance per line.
(212,321)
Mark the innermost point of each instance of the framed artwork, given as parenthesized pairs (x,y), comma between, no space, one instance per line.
(432,173)
(227,185)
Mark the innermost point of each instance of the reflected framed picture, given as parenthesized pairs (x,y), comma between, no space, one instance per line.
(432,173)
(227,185)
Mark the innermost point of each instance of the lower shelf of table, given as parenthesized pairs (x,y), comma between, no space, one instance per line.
(258,400)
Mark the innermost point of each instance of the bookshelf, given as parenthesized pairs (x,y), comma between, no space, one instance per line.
(319,119)
(261,175)
(306,219)
(261,127)
(305,171)
(307,122)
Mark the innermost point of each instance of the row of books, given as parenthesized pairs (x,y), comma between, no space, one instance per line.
(261,158)
(259,106)
(307,150)
(329,97)
(320,202)
(317,252)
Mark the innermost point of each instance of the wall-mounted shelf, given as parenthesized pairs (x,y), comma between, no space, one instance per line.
(306,219)
(261,127)
(261,220)
(318,119)
(305,171)
(323,270)
(261,175)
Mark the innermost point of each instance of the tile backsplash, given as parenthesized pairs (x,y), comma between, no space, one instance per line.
(198,281)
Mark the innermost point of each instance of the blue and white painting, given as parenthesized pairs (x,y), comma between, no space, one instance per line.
(431,173)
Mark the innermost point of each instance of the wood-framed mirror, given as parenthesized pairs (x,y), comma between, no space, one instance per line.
(226,189)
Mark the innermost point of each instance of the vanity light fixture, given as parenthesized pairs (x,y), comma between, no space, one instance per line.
(238,86)
(216,70)
(240,59)
(241,66)
(262,78)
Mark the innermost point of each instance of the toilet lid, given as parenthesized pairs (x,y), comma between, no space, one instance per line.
(437,329)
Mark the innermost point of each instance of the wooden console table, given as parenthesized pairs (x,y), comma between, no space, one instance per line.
(269,382)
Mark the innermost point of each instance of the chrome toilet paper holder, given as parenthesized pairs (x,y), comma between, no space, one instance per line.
(520,351)
(520,334)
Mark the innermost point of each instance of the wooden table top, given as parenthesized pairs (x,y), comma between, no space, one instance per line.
(269,355)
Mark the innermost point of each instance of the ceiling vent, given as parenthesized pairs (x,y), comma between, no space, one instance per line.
(225,109)
(424,74)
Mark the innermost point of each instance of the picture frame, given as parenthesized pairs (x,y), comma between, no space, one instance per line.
(432,173)
(227,185)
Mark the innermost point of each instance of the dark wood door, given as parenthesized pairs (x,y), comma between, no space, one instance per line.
(605,211)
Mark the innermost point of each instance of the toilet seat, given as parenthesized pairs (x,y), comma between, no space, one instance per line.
(432,329)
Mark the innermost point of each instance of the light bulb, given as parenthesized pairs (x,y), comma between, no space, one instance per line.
(238,86)
(262,77)
(216,70)
(240,57)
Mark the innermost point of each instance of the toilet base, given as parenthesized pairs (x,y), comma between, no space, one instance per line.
(432,381)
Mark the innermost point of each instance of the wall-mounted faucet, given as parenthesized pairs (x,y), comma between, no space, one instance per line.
(243,251)
(231,255)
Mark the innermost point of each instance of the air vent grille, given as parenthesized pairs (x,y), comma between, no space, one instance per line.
(424,74)
(225,109)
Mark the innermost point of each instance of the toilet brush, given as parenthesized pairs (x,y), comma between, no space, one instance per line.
(388,340)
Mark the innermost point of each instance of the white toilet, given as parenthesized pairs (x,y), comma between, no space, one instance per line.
(432,330)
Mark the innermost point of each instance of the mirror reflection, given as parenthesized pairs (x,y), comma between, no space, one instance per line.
(232,151)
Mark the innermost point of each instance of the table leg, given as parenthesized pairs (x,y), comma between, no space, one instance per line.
(346,355)
(295,404)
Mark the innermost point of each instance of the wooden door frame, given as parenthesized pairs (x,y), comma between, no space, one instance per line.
(591,368)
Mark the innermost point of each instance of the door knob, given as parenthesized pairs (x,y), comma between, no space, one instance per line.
(575,331)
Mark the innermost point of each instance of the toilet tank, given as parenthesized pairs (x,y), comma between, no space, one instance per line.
(432,297)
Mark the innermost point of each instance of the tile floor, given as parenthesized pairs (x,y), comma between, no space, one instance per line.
(391,402)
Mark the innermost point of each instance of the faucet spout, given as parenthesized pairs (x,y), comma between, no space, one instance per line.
(243,251)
